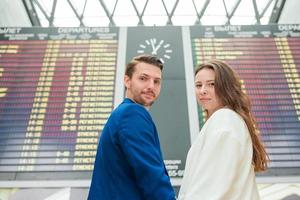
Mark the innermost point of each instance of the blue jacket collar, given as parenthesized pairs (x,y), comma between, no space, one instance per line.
(127,100)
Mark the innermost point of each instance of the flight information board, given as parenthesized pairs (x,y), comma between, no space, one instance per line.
(56,92)
(59,85)
(267,58)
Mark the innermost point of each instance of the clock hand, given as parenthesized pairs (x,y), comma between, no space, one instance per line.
(154,52)
(153,47)
(157,47)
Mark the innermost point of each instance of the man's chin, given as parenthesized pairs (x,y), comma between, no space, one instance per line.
(144,102)
(148,103)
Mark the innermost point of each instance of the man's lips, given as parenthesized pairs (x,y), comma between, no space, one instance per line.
(149,94)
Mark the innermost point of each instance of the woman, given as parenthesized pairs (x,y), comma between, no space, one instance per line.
(223,159)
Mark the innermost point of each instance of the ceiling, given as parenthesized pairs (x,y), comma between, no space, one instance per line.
(75,13)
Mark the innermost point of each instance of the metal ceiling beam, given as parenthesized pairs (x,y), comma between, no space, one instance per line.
(265,9)
(233,11)
(140,15)
(201,13)
(83,10)
(278,6)
(31,12)
(256,12)
(115,6)
(52,13)
(227,14)
(170,15)
(37,3)
(108,14)
(75,12)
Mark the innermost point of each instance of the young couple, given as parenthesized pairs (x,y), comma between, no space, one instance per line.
(222,161)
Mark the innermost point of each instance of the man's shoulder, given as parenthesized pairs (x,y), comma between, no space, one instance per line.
(130,112)
(128,107)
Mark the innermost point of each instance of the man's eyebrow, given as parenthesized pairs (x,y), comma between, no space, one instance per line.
(143,74)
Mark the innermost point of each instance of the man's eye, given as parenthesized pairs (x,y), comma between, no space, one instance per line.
(157,81)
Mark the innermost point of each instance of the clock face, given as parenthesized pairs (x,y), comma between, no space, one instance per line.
(157,48)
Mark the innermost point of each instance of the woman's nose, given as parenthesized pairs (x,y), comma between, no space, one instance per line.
(203,90)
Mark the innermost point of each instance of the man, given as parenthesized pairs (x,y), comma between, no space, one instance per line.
(129,163)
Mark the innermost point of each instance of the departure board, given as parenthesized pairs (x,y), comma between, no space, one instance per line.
(267,58)
(58,86)
(56,93)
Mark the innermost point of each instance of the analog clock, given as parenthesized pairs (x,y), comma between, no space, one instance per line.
(157,48)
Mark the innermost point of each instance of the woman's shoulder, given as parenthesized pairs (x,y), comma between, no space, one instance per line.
(229,122)
(226,115)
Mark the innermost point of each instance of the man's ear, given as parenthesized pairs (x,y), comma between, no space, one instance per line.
(127,81)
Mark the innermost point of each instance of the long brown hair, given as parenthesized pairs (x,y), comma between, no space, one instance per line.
(228,88)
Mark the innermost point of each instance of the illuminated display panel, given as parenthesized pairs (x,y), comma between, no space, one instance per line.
(267,58)
(56,92)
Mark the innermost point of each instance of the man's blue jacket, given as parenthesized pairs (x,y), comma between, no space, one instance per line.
(129,163)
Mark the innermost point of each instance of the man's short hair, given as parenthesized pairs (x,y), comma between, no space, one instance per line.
(149,59)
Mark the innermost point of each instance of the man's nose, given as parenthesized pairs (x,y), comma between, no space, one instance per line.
(151,84)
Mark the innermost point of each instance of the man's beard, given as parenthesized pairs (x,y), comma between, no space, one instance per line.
(141,101)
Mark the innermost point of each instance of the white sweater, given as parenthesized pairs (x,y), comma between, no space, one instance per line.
(218,165)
